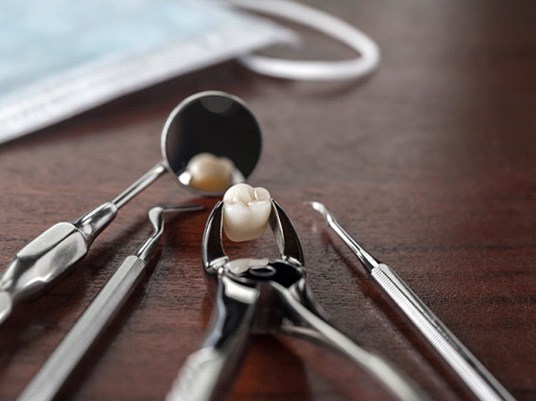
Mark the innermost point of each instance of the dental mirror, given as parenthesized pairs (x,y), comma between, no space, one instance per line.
(210,141)
(207,133)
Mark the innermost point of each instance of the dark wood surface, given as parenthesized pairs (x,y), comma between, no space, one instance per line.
(430,163)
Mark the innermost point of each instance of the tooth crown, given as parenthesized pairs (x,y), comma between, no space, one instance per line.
(246,211)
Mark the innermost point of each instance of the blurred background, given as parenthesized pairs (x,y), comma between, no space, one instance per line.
(430,162)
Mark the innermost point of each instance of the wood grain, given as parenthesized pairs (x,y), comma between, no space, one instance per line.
(430,164)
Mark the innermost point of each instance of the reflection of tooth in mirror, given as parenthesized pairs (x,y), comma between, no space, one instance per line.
(246,211)
(209,173)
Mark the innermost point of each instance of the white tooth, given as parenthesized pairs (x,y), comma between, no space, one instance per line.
(210,173)
(245,212)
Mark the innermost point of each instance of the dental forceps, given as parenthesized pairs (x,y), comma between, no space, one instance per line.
(263,296)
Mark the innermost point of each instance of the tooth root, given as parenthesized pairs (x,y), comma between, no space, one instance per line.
(246,211)
(210,173)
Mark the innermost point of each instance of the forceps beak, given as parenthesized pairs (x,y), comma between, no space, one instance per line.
(213,255)
(285,235)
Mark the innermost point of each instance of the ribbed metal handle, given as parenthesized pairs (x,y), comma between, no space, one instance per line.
(53,374)
(459,358)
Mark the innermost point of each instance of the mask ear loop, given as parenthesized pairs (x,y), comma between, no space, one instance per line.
(327,24)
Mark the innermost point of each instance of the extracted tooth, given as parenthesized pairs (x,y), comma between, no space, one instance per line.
(245,212)
(210,173)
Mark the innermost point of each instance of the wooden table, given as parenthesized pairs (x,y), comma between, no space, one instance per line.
(430,163)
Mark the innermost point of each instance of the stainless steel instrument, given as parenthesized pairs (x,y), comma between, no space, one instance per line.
(208,122)
(49,379)
(475,376)
(265,296)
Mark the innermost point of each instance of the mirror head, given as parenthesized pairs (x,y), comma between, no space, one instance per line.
(210,142)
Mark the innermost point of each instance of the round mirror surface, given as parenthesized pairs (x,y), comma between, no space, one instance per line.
(211,141)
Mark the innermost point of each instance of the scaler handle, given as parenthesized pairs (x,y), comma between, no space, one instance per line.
(458,357)
(46,383)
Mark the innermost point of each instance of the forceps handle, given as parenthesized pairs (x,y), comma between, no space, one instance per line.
(73,347)
(311,325)
(207,371)
(459,358)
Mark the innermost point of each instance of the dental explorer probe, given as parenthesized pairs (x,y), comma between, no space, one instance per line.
(49,379)
(475,376)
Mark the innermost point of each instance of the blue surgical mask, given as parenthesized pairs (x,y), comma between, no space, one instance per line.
(61,57)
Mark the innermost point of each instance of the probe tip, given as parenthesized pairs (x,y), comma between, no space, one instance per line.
(320,208)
